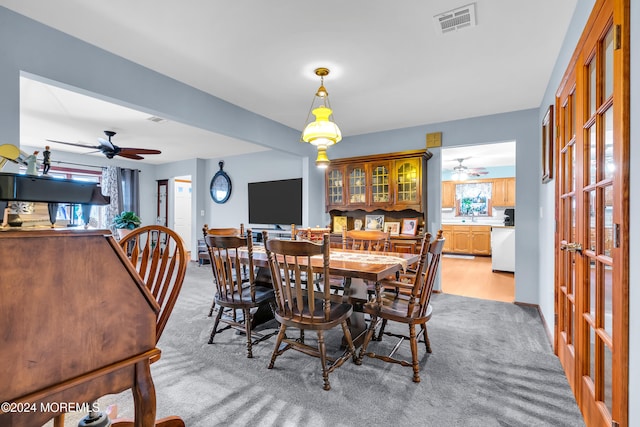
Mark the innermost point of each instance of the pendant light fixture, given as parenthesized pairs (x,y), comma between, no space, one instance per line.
(322,132)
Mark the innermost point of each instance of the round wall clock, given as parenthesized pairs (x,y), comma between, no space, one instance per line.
(220,187)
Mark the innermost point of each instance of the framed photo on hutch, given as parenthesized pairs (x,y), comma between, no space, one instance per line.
(409,226)
(393,228)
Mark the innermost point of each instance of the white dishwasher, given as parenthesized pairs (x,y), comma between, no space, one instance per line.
(503,248)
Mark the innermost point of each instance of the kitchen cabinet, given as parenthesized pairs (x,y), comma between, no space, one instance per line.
(448,194)
(448,238)
(467,239)
(504,192)
(388,182)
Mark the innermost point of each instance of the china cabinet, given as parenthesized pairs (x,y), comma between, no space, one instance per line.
(389,182)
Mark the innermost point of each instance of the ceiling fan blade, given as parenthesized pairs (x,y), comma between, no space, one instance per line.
(132,156)
(139,150)
(75,144)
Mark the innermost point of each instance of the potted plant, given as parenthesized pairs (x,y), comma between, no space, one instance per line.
(125,222)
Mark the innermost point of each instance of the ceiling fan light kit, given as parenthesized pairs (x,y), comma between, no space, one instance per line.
(462,173)
(109,149)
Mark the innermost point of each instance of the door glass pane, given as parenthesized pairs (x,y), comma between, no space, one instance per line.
(593,286)
(592,355)
(335,187)
(573,220)
(573,322)
(608,299)
(380,184)
(407,182)
(591,75)
(357,186)
(608,220)
(592,156)
(609,165)
(608,64)
(571,286)
(591,237)
(573,167)
(608,374)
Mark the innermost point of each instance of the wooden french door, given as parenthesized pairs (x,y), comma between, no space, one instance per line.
(592,266)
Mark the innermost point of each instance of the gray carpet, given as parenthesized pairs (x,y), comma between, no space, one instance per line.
(492,365)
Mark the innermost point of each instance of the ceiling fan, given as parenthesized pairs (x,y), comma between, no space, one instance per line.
(109,149)
(462,172)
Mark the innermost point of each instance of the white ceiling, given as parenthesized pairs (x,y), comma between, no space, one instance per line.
(389,67)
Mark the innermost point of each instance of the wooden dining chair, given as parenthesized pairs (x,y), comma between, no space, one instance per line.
(160,258)
(225,231)
(361,240)
(366,240)
(299,306)
(406,302)
(233,292)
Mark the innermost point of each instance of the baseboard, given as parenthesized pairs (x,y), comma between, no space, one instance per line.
(544,321)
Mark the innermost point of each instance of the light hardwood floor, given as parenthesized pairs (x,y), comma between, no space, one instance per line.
(474,278)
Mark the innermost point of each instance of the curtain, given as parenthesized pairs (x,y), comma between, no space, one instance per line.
(129,195)
(110,188)
(123,187)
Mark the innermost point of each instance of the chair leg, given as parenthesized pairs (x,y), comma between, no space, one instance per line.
(215,324)
(213,305)
(381,332)
(276,350)
(347,335)
(247,327)
(414,353)
(367,338)
(322,348)
(427,343)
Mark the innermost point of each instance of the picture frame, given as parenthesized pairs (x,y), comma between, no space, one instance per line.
(393,228)
(547,146)
(409,226)
(339,224)
(374,222)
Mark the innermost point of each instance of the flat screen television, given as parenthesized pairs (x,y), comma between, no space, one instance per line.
(276,202)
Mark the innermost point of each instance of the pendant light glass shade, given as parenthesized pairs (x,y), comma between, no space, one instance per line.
(321,132)
(322,161)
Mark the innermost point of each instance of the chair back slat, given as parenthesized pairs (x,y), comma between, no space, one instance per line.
(222,231)
(160,258)
(224,252)
(290,265)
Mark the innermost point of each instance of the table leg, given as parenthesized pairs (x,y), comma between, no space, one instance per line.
(355,291)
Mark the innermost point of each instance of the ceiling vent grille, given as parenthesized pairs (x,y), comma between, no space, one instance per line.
(456,19)
(156,119)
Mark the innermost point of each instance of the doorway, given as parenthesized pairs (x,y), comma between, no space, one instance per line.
(478,192)
(182,208)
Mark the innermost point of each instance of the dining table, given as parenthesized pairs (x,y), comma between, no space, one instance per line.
(357,267)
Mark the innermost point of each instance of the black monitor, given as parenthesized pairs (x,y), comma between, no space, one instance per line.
(276,202)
